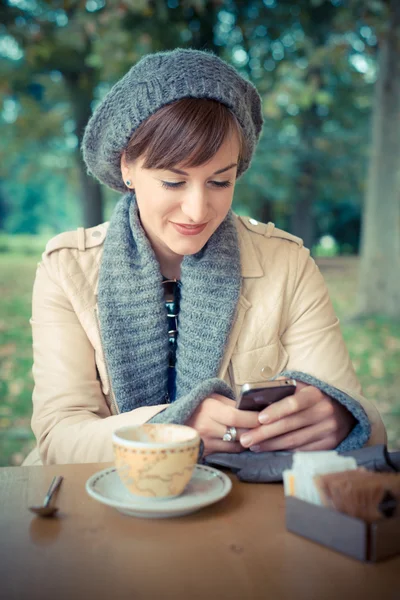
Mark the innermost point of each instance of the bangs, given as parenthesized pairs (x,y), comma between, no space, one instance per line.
(188,132)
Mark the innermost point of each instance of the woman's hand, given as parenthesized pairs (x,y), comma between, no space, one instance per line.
(213,416)
(308,420)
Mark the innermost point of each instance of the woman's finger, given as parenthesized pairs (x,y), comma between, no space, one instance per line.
(310,416)
(212,419)
(301,437)
(224,412)
(306,397)
(220,446)
(211,430)
(324,444)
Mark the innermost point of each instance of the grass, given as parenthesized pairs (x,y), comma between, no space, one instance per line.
(374,346)
(17,273)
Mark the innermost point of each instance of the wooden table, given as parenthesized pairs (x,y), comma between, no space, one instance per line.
(237,548)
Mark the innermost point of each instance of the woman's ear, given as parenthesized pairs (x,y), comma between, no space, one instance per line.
(126,172)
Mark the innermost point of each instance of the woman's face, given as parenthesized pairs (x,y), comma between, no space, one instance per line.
(180,208)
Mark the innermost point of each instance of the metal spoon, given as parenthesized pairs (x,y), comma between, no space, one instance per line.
(46,510)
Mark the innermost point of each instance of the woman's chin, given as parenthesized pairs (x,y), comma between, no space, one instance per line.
(187,246)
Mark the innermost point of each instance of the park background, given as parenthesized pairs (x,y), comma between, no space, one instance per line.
(327,167)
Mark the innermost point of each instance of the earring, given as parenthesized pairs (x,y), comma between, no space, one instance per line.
(128,182)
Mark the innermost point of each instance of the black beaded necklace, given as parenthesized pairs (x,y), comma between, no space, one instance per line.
(172,298)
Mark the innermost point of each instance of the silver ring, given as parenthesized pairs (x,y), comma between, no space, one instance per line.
(230,435)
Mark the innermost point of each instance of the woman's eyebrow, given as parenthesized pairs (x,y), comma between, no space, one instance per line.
(179,172)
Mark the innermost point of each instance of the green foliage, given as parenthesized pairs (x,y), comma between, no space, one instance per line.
(22,245)
(314,64)
(373,343)
(327,246)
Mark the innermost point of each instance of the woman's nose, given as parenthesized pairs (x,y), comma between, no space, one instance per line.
(194,207)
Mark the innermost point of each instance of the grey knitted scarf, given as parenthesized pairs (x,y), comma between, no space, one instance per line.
(133,318)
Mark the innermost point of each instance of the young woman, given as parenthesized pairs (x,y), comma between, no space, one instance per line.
(162,314)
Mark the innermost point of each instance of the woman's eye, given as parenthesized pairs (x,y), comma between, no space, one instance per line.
(170,185)
(221,184)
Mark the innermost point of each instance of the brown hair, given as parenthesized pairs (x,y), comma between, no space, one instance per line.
(188,132)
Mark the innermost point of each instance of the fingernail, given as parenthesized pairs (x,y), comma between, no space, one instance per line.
(255,448)
(263,418)
(245,440)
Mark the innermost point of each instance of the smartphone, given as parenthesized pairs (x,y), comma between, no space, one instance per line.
(256,396)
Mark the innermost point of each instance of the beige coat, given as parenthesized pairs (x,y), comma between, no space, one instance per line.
(284,321)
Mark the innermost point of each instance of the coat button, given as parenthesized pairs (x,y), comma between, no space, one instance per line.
(253,222)
(96,234)
(266,372)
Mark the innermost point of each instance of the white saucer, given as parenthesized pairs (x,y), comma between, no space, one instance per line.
(207,485)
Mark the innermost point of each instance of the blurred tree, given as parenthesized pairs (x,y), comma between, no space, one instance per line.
(312,61)
(30,213)
(54,39)
(4,209)
(379,291)
(87,41)
(314,65)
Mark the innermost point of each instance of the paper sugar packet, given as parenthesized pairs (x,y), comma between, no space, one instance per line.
(299,480)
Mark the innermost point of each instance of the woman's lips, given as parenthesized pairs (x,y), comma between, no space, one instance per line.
(189,229)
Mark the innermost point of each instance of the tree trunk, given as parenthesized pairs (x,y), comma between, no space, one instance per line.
(80,88)
(266,211)
(379,286)
(302,222)
(203,39)
(92,195)
(4,210)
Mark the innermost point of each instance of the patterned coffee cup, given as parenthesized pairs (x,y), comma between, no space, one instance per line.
(156,460)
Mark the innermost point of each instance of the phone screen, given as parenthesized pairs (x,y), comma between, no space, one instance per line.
(257,399)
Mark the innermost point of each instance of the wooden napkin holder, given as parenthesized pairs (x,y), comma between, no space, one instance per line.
(348,535)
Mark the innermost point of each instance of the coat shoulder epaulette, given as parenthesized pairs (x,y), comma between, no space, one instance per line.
(80,239)
(269,230)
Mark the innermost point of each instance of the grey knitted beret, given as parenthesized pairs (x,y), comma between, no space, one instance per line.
(156,80)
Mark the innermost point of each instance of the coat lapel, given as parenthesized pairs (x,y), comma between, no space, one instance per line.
(250,268)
